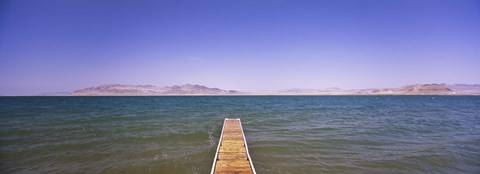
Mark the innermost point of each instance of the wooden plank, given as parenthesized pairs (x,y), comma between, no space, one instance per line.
(232,152)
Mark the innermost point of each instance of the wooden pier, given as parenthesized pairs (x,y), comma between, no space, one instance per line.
(232,152)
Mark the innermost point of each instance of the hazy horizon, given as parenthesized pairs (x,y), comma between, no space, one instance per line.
(62,46)
(256,92)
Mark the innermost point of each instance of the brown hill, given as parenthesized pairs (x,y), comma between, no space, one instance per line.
(147,90)
(425,89)
(418,89)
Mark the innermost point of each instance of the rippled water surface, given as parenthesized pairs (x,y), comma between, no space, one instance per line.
(340,134)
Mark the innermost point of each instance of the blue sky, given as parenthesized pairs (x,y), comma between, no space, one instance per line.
(61,46)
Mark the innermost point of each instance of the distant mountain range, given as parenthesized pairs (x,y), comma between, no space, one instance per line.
(150,90)
(417,89)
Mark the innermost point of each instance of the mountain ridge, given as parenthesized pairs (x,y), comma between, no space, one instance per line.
(150,90)
(195,89)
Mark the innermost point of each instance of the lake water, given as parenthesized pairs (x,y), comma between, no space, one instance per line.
(289,134)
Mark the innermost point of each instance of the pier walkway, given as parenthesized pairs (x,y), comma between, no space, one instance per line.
(232,152)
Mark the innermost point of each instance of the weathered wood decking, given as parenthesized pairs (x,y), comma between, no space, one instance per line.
(232,152)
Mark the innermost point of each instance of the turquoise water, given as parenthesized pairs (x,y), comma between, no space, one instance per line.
(338,134)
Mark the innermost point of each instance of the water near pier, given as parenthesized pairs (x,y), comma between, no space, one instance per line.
(338,134)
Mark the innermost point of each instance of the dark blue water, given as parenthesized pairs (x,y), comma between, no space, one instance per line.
(295,134)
